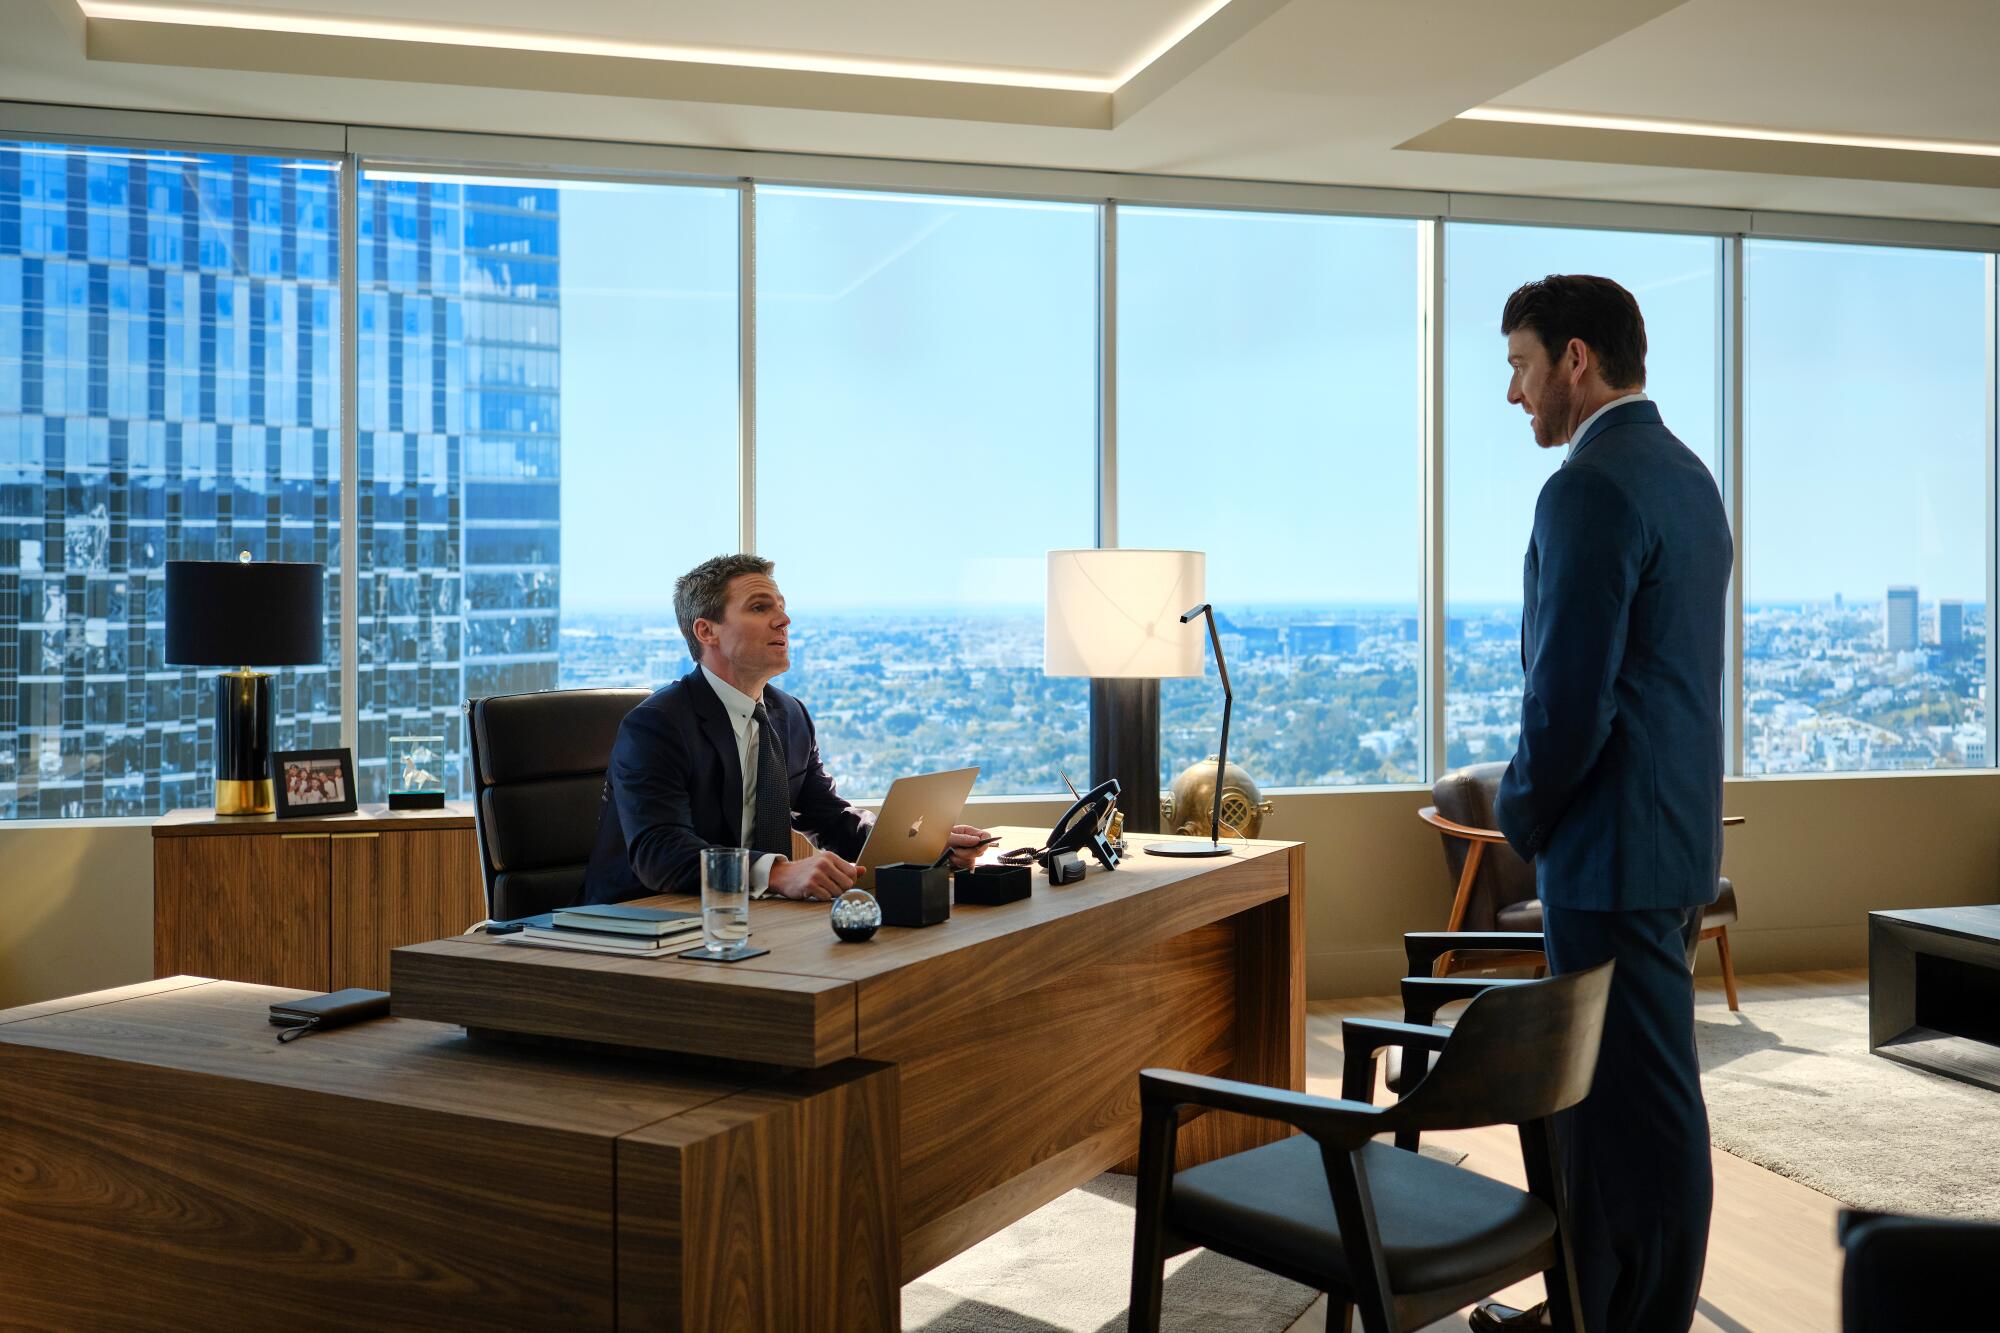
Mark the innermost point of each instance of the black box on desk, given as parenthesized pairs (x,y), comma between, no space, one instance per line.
(991,885)
(913,894)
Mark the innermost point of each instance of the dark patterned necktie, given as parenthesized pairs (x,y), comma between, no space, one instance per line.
(772,819)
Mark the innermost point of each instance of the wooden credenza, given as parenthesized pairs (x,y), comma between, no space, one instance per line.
(315,903)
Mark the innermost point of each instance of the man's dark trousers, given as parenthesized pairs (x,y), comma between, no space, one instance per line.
(1635,1151)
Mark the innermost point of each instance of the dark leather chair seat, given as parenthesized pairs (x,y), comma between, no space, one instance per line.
(1441,1226)
(1528,915)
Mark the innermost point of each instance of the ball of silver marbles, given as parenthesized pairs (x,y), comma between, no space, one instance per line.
(856,915)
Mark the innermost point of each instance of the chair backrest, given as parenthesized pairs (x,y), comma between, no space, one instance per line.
(538,763)
(1519,1053)
(1465,796)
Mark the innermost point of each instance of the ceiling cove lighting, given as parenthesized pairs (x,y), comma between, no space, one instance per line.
(1710,130)
(513,39)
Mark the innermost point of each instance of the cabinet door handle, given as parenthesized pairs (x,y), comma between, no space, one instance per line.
(355,835)
(294,837)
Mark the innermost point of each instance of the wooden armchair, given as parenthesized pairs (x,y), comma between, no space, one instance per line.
(1398,1238)
(1494,889)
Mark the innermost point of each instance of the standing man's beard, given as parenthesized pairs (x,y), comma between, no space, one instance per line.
(1552,415)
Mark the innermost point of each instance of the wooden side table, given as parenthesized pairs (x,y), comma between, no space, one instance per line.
(316,902)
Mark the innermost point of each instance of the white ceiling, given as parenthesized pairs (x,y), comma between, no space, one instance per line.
(1320,91)
(1101,38)
(1920,69)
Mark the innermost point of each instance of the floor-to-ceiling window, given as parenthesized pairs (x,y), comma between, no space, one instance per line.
(548,433)
(1867,401)
(1493,469)
(1270,413)
(546,438)
(169,390)
(926,433)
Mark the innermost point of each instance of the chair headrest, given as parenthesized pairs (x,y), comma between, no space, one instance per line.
(554,733)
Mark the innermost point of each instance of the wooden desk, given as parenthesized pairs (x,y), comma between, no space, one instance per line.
(315,902)
(1016,1031)
(165,1163)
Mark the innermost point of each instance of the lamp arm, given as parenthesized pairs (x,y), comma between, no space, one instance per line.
(1228,703)
(1221,754)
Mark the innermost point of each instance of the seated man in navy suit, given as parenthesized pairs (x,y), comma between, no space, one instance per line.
(721,759)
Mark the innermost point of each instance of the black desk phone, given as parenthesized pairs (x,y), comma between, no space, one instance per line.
(1084,827)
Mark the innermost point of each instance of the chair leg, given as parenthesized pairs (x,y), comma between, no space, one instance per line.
(1728,965)
(1339,1315)
(1157,1128)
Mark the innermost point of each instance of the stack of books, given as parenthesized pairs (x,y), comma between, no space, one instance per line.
(614,928)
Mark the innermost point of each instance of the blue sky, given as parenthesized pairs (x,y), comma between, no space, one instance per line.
(927,398)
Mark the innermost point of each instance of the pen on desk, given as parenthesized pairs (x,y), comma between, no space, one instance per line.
(949,850)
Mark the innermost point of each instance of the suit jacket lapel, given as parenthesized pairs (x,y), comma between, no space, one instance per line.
(715,726)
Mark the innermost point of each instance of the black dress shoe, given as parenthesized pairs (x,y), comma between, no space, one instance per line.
(1493,1317)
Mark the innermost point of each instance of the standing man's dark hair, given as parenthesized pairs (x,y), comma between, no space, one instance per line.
(1595,311)
(1615,788)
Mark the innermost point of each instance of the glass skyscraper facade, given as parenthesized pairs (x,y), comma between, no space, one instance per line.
(168,333)
(169,389)
(459,457)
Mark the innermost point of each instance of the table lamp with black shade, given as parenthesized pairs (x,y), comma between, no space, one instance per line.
(1215,845)
(244,614)
(1111,616)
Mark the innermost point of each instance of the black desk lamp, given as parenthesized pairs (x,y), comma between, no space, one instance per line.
(1214,846)
(233,613)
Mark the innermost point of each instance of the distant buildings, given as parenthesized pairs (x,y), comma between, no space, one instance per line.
(1899,619)
(1951,625)
(1322,640)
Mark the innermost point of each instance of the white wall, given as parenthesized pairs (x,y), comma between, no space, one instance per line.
(1816,855)
(76,908)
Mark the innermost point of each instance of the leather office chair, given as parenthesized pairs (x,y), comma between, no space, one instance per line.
(1494,889)
(1399,1238)
(538,763)
(1915,1272)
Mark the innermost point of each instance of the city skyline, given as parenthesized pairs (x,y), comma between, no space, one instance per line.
(548,434)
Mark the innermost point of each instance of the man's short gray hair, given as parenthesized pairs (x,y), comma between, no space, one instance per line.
(703,592)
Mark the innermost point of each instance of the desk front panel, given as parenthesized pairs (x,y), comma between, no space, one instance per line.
(165,1163)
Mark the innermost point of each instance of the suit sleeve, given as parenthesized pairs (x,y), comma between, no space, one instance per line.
(649,781)
(834,824)
(1591,547)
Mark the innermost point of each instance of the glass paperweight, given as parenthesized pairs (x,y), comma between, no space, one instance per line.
(856,915)
(416,773)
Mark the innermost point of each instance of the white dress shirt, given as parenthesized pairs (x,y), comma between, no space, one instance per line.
(1584,426)
(741,708)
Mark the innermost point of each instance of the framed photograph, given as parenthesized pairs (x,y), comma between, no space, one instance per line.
(313,782)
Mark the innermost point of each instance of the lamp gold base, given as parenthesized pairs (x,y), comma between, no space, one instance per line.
(244,798)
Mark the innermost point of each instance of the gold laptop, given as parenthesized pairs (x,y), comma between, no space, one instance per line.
(915,820)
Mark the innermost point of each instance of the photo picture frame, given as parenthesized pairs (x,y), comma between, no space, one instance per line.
(313,782)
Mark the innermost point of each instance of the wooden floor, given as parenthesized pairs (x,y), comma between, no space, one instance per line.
(1773,1266)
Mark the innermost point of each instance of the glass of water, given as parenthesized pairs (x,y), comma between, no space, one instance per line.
(725,901)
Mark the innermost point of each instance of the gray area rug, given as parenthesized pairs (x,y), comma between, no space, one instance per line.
(1791,1086)
(1066,1267)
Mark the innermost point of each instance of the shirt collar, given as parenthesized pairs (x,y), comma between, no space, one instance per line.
(1584,428)
(739,705)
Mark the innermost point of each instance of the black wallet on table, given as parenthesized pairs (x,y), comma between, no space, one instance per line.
(316,1013)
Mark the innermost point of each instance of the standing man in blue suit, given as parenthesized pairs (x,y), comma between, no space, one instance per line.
(1615,790)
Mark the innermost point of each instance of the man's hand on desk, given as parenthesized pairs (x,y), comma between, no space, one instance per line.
(965,844)
(820,876)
